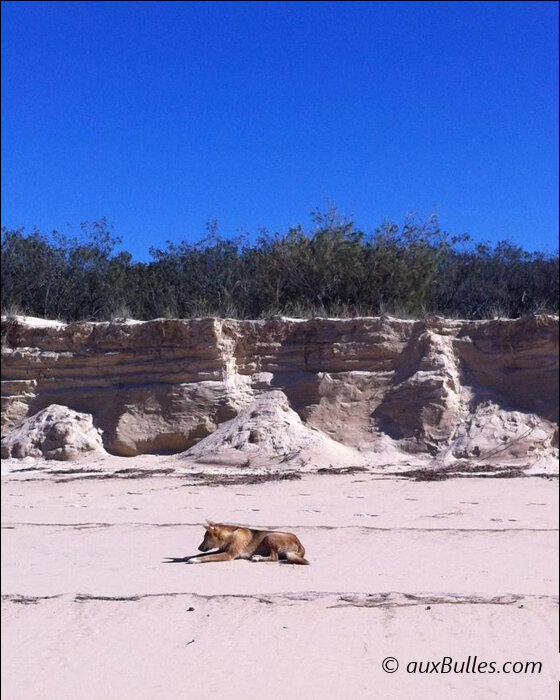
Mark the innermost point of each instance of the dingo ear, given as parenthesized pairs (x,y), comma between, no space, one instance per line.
(209,525)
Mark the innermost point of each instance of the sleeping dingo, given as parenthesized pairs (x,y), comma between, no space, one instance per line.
(234,542)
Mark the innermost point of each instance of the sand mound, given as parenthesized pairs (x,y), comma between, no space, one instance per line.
(267,429)
(56,432)
(494,435)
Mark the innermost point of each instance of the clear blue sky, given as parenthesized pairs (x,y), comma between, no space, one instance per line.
(162,116)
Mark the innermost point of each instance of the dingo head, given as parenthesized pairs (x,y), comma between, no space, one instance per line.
(216,536)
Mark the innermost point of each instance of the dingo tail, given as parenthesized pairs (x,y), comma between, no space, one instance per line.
(294,558)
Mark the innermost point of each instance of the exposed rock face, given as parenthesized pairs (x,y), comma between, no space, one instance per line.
(56,432)
(162,385)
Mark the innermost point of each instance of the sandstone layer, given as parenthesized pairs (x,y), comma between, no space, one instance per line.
(452,389)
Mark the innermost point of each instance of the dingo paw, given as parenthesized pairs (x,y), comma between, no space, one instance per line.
(257,557)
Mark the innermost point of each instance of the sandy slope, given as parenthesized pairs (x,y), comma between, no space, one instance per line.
(413,570)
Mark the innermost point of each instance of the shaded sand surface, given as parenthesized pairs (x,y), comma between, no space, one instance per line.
(413,570)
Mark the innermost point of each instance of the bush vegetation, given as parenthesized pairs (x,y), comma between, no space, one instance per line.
(330,269)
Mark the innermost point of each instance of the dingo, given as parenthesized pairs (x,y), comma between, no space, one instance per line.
(234,542)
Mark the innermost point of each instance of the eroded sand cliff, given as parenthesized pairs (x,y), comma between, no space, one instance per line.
(451,389)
